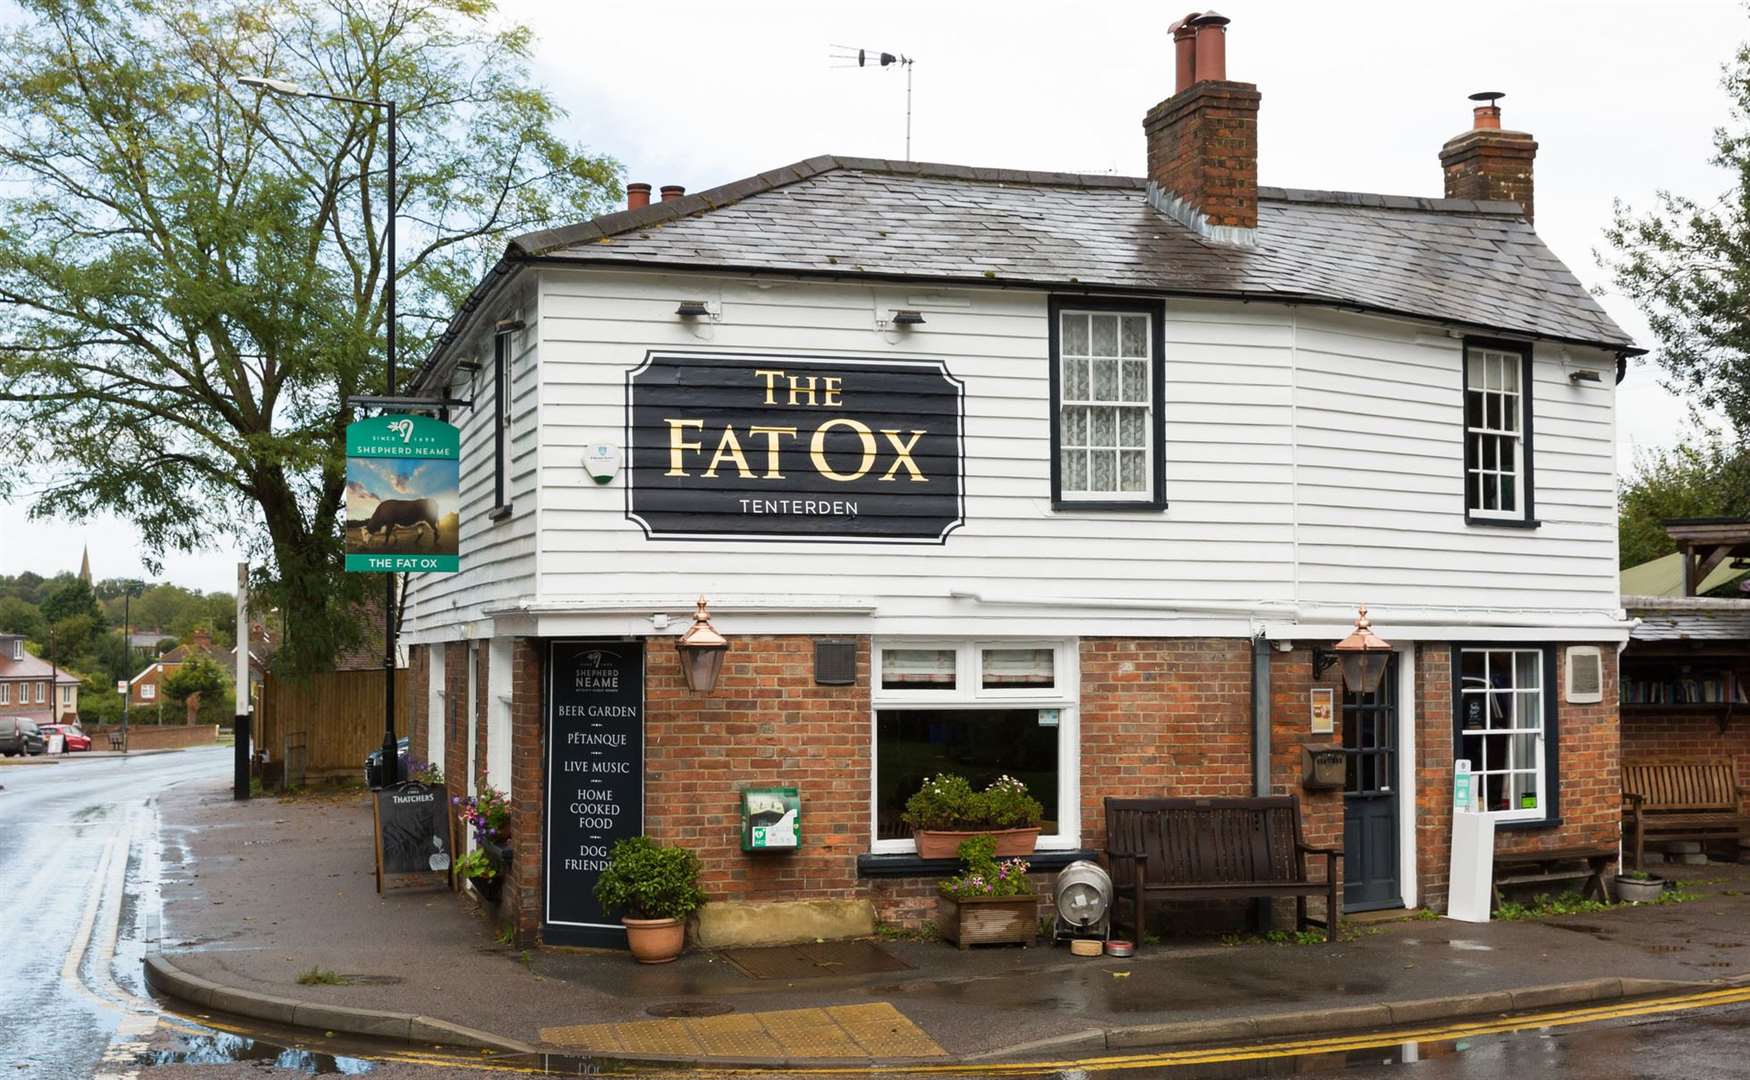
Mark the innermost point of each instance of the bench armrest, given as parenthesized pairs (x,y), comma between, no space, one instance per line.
(1633,799)
(1312,850)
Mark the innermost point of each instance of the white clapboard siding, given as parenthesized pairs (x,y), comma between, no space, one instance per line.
(497,558)
(1313,459)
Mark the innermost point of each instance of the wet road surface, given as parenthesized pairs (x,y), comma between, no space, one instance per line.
(79,857)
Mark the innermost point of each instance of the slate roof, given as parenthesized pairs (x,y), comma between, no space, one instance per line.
(1455,260)
(1689,618)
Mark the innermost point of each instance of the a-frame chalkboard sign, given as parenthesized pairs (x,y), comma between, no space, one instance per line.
(414,832)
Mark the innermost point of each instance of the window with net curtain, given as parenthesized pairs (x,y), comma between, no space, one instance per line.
(1105,406)
(980,713)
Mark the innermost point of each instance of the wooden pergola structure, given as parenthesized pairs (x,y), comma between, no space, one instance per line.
(1707,542)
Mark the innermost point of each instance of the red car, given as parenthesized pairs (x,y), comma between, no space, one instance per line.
(75,739)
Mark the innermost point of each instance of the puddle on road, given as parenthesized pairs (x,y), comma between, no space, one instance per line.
(224,1049)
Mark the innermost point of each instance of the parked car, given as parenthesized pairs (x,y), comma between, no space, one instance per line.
(20,735)
(75,738)
(374,764)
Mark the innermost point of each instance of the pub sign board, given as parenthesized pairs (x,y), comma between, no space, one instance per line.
(774,446)
(412,831)
(595,780)
(403,491)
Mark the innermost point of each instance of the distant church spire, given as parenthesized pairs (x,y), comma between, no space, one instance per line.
(85,565)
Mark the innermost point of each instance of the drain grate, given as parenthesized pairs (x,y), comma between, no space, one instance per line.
(688,1010)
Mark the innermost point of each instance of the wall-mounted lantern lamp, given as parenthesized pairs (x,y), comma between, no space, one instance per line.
(692,309)
(1363,655)
(701,650)
(908,318)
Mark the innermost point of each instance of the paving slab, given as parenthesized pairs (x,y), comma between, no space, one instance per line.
(258,893)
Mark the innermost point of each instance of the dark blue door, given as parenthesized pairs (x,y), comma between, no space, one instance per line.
(1370,797)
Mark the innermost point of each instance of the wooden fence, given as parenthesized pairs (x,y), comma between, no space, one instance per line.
(337,715)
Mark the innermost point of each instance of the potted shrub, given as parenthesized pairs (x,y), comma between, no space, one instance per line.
(946,812)
(988,901)
(1638,886)
(656,887)
(477,870)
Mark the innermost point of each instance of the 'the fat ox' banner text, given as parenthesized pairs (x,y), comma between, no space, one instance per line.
(803,448)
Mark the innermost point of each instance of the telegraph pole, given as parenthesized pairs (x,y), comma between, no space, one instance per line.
(240,726)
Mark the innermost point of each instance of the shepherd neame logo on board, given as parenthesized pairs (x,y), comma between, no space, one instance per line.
(794,447)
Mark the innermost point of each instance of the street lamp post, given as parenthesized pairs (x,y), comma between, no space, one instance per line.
(391,769)
(128,592)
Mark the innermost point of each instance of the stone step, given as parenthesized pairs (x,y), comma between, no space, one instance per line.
(1683,847)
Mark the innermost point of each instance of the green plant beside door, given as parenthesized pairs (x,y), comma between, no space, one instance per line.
(655,887)
(947,811)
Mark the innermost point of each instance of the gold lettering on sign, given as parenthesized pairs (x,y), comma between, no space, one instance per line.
(770,377)
(771,434)
(677,443)
(728,447)
(797,387)
(831,386)
(902,455)
(817,447)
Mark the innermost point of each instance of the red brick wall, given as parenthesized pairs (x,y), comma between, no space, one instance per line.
(520,904)
(482,715)
(1490,164)
(419,679)
(1590,798)
(1321,812)
(1203,147)
(1650,736)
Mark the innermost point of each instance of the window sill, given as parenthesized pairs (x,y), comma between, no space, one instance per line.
(1532,823)
(498,513)
(909,865)
(1503,523)
(1109,505)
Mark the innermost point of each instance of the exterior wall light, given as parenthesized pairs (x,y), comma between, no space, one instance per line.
(1584,375)
(908,318)
(1363,655)
(692,309)
(701,651)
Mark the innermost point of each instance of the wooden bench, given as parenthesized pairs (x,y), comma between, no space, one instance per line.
(1207,849)
(1556,864)
(1681,801)
(117,740)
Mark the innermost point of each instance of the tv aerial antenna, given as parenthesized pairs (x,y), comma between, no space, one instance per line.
(846,56)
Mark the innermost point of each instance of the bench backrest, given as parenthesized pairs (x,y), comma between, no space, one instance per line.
(1193,841)
(1688,786)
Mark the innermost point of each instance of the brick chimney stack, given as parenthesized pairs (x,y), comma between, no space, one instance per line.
(1203,141)
(1487,162)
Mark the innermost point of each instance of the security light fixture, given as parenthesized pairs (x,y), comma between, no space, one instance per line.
(907,317)
(692,309)
(1581,375)
(274,86)
(701,651)
(1363,655)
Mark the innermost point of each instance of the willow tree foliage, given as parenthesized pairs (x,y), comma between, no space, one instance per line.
(191,273)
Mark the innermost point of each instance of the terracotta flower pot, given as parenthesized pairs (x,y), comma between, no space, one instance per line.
(655,941)
(945,844)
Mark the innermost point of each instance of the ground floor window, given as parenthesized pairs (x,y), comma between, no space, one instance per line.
(1505,728)
(979,709)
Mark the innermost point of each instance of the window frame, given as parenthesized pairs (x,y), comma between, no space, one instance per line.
(1549,774)
(1064,695)
(148,691)
(501,401)
(1526,516)
(42,693)
(5,693)
(1155,498)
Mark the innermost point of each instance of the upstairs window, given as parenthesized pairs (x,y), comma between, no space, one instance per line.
(1107,401)
(1497,434)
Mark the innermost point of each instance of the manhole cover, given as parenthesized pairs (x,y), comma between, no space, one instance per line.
(683,1010)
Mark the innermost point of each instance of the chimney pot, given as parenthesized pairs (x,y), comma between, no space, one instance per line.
(1184,53)
(1211,60)
(1488,163)
(672,191)
(637,196)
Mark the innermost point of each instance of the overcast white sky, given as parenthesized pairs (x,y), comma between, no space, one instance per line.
(1622,98)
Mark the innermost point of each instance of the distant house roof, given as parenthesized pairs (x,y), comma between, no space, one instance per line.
(1474,264)
(1688,618)
(1664,577)
(31,667)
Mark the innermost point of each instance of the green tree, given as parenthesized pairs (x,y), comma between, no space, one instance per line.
(1700,477)
(191,274)
(20,616)
(69,597)
(198,675)
(1686,264)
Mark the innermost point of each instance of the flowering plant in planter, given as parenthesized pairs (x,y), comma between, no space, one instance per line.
(487,813)
(477,870)
(946,810)
(988,902)
(421,771)
(983,875)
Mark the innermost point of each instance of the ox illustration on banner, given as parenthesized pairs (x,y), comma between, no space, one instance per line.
(402,495)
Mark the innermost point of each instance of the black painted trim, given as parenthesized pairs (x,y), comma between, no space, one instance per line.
(1156,310)
(1552,743)
(1527,411)
(909,865)
(500,451)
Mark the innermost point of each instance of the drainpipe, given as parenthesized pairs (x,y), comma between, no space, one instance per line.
(1260,715)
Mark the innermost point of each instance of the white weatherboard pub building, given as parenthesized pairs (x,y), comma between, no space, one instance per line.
(1065,477)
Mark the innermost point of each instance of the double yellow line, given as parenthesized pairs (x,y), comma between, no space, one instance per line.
(1337,1044)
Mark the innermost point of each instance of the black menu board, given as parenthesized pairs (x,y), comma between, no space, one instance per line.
(413,831)
(595,779)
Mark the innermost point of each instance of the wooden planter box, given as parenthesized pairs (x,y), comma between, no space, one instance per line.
(989,920)
(943,844)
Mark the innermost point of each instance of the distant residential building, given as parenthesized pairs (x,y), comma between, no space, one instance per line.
(34,687)
(146,690)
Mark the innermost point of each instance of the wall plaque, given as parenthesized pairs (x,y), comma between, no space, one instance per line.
(795,448)
(595,780)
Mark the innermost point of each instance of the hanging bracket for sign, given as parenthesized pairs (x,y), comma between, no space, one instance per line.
(407,404)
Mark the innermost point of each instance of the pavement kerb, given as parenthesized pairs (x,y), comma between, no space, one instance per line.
(165,977)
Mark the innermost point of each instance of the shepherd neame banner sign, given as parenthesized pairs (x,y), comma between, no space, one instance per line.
(804,448)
